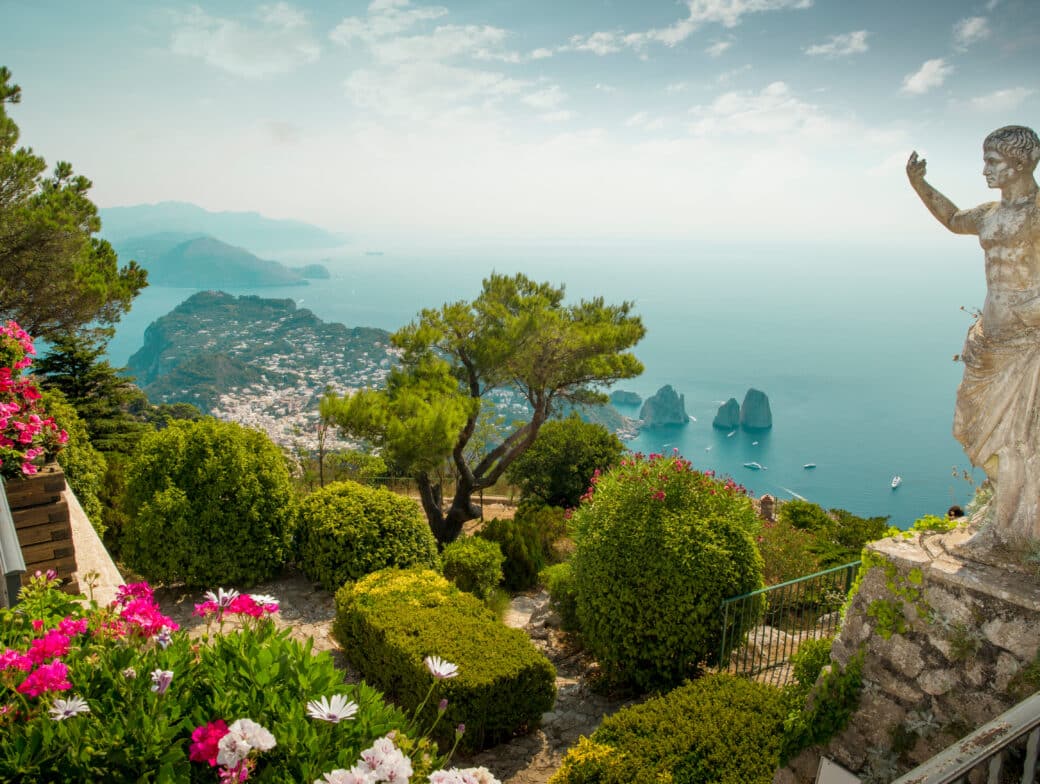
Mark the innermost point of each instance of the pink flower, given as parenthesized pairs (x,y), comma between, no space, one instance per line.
(205,741)
(71,627)
(47,677)
(128,591)
(53,645)
(16,660)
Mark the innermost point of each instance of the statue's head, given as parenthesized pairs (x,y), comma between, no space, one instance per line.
(1018,145)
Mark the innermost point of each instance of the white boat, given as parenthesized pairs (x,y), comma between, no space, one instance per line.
(896,481)
(754,443)
(707,449)
(731,433)
(754,466)
(808,466)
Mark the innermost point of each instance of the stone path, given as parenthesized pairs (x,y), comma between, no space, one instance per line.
(309,612)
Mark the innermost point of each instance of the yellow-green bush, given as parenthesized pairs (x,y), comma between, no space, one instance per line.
(389,621)
(347,530)
(473,564)
(716,730)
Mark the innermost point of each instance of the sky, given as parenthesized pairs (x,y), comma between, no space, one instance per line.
(725,121)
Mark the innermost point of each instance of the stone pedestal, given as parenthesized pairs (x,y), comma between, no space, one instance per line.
(949,642)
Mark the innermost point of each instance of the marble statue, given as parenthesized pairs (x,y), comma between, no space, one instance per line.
(997,414)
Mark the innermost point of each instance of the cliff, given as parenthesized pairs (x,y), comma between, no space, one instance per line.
(213,344)
(665,407)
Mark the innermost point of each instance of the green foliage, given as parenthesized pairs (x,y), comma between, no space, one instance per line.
(557,467)
(83,465)
(787,552)
(559,582)
(526,541)
(55,275)
(101,396)
(516,334)
(809,660)
(834,698)
(716,730)
(347,530)
(133,733)
(208,503)
(839,536)
(659,546)
(473,564)
(389,621)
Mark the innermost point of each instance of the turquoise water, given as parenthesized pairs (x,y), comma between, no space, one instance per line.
(853,348)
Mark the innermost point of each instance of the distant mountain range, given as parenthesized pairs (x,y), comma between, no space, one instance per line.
(248,230)
(198,261)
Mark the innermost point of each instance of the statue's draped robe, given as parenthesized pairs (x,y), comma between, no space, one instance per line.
(998,414)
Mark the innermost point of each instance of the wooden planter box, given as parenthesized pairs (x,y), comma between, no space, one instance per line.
(41,520)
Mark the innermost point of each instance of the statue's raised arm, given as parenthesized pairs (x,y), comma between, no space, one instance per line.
(944,210)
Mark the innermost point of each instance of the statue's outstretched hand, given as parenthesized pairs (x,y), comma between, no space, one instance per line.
(915,167)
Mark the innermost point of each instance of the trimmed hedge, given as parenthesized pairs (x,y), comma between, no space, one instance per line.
(473,564)
(389,621)
(717,730)
(347,530)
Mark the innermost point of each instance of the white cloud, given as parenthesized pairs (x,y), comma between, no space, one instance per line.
(605,88)
(729,76)
(841,45)
(276,39)
(385,18)
(597,43)
(718,47)
(645,121)
(558,116)
(1001,100)
(548,98)
(727,13)
(422,73)
(774,110)
(932,73)
(676,87)
(971,30)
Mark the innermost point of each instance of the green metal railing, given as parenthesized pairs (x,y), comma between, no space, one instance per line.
(761,629)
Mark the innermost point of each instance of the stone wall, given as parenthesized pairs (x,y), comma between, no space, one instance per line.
(948,644)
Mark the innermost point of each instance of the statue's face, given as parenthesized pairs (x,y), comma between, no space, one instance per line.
(997,169)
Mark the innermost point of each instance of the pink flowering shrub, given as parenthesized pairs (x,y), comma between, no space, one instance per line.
(27,435)
(658,546)
(91,693)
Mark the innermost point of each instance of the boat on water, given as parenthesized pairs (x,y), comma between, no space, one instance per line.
(754,466)
(754,443)
(809,466)
(896,481)
(707,448)
(731,433)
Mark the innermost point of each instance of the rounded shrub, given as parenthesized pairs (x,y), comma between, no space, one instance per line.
(658,547)
(473,564)
(208,503)
(717,730)
(347,530)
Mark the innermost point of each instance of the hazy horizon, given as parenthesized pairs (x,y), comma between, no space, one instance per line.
(722,121)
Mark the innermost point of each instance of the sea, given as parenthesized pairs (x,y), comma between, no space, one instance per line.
(854,347)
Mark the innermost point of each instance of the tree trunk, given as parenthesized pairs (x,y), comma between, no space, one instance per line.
(447,525)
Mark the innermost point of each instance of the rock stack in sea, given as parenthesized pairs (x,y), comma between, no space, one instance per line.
(665,407)
(753,414)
